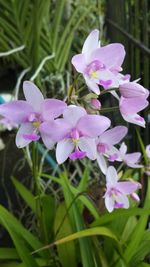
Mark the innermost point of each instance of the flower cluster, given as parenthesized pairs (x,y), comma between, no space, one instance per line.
(77,133)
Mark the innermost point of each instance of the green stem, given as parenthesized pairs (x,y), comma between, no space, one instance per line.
(103,110)
(142,146)
(108,91)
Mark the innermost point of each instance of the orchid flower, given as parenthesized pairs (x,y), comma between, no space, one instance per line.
(106,142)
(129,108)
(30,114)
(130,159)
(99,65)
(117,192)
(76,133)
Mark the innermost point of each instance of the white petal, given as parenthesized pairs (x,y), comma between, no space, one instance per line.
(111,176)
(33,95)
(88,145)
(123,150)
(73,113)
(92,85)
(48,142)
(63,150)
(26,128)
(91,43)
(109,203)
(102,163)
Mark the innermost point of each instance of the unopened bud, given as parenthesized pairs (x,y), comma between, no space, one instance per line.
(95,103)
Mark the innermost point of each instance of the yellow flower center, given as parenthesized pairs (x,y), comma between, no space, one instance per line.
(36,124)
(94,74)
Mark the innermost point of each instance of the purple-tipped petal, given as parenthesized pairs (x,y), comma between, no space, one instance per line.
(52,108)
(25,129)
(63,150)
(88,145)
(16,111)
(132,105)
(93,125)
(133,89)
(111,55)
(111,176)
(55,129)
(114,135)
(33,95)
(91,43)
(78,61)
(73,113)
(135,119)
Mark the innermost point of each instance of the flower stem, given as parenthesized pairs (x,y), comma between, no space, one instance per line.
(103,110)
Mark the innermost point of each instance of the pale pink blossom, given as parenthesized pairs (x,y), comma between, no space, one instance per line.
(117,191)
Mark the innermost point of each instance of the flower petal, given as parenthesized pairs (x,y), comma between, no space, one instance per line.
(26,128)
(33,95)
(133,89)
(72,114)
(92,85)
(91,43)
(88,145)
(123,149)
(114,135)
(111,176)
(78,61)
(127,188)
(109,203)
(55,129)
(48,142)
(63,150)
(135,119)
(132,105)
(93,125)
(122,199)
(16,111)
(102,163)
(52,108)
(111,55)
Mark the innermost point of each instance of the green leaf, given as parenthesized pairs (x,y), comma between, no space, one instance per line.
(8,253)
(25,194)
(66,252)
(47,217)
(108,217)
(87,232)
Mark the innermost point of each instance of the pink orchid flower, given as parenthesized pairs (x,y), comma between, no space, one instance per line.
(106,142)
(76,133)
(129,107)
(30,114)
(130,159)
(117,192)
(132,90)
(99,65)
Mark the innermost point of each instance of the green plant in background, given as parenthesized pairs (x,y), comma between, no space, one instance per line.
(36,37)
(77,230)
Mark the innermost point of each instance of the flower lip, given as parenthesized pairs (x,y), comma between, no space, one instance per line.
(101,147)
(93,67)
